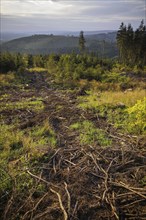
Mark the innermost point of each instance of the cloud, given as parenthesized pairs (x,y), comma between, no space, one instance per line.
(69,14)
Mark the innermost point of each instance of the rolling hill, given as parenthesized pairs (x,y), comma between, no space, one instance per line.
(46,44)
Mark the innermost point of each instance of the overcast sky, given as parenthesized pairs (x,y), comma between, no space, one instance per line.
(68,15)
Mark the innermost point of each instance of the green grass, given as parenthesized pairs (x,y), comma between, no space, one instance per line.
(127,111)
(89,134)
(29,104)
(20,150)
(44,135)
(14,142)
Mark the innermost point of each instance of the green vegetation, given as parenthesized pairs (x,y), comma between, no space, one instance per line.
(44,135)
(7,79)
(30,104)
(14,142)
(69,69)
(132,44)
(89,134)
(137,117)
(125,110)
(48,44)
(82,41)
(96,98)
(20,150)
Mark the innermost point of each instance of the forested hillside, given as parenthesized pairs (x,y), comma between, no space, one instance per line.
(47,44)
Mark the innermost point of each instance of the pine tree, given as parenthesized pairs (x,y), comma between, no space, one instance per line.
(82,41)
(132,44)
(121,39)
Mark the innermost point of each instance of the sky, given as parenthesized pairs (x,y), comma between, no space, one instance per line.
(67,15)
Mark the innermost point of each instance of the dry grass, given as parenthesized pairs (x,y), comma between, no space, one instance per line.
(95,99)
(129,98)
(5,79)
(37,69)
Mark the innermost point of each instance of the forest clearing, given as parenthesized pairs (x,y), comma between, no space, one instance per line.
(71,153)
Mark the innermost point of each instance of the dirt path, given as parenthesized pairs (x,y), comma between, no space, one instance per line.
(60,109)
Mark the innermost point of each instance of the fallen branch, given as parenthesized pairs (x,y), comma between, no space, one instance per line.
(60,203)
(37,177)
(68,195)
(121,184)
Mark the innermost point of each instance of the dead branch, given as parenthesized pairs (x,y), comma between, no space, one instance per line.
(38,178)
(121,184)
(68,196)
(60,203)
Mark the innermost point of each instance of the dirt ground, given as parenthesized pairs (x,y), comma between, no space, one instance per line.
(82,182)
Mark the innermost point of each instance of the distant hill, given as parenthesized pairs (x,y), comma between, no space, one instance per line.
(110,37)
(7,36)
(46,44)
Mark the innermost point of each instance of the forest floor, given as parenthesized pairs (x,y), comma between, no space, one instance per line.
(73,180)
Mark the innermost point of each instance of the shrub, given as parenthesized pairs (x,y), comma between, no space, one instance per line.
(137,117)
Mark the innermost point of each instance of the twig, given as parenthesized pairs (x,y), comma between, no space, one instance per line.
(60,203)
(69,198)
(129,188)
(55,153)
(132,203)
(113,205)
(10,202)
(35,207)
(70,162)
(40,215)
(106,179)
(54,168)
(41,199)
(37,177)
(75,208)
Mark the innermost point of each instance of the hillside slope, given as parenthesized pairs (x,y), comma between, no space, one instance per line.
(46,44)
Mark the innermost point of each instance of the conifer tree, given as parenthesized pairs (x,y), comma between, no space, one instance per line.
(82,41)
(132,44)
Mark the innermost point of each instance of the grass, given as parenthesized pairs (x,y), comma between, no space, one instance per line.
(37,69)
(6,79)
(15,144)
(95,99)
(126,111)
(89,134)
(20,150)
(44,135)
(129,98)
(4,96)
(30,104)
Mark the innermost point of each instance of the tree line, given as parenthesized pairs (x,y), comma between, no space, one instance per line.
(132,51)
(132,44)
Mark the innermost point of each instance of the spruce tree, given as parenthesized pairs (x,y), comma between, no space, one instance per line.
(82,41)
(132,44)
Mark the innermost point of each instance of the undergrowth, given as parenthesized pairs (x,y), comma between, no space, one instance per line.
(20,150)
(127,111)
